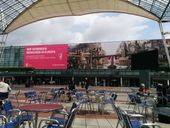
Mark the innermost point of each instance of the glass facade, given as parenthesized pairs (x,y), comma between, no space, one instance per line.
(12,56)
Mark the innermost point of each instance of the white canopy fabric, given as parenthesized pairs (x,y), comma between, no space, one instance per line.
(17,13)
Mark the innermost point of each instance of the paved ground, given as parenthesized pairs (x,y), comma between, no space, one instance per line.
(89,119)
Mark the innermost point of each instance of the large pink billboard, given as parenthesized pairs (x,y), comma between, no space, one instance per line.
(46,56)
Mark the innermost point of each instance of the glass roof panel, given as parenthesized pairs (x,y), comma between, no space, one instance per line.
(10,9)
(160,8)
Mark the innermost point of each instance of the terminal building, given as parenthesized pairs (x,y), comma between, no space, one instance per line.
(82,60)
(112,69)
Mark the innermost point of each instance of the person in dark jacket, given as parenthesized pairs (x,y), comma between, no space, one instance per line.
(86,84)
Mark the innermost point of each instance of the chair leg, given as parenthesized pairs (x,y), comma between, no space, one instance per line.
(29,123)
(117,123)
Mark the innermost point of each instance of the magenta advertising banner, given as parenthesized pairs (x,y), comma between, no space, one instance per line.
(46,56)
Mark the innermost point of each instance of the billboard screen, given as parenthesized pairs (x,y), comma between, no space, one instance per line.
(46,56)
(114,54)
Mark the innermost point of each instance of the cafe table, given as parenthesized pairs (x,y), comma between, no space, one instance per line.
(37,108)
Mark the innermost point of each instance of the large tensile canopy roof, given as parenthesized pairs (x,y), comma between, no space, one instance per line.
(17,13)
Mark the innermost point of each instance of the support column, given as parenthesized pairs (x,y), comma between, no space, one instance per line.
(164,42)
(95,81)
(104,82)
(168,82)
(121,82)
(72,78)
(51,79)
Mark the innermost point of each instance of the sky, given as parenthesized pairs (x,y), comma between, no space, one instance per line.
(98,27)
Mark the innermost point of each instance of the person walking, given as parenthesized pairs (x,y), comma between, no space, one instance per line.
(4,91)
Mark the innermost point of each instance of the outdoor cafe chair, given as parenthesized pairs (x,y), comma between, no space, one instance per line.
(31,96)
(133,123)
(62,119)
(84,100)
(14,96)
(13,114)
(107,99)
(4,122)
(12,122)
(131,114)
(49,96)
(143,104)
(131,99)
(52,123)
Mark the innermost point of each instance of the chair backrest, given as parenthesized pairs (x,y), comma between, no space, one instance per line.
(114,96)
(126,120)
(3,121)
(30,94)
(71,118)
(137,99)
(7,106)
(116,109)
(74,105)
(13,120)
(79,96)
(131,97)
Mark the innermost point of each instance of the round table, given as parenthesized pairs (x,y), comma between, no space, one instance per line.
(40,108)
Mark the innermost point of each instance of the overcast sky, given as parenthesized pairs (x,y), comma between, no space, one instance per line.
(102,27)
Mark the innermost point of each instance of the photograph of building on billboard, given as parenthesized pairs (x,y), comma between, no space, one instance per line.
(111,55)
(46,56)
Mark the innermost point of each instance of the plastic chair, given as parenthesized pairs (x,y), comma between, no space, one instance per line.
(107,99)
(130,113)
(62,120)
(14,96)
(115,108)
(12,122)
(14,114)
(52,123)
(131,99)
(139,103)
(5,123)
(31,96)
(84,101)
(129,123)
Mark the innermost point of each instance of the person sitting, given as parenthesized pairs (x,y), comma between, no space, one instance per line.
(142,89)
